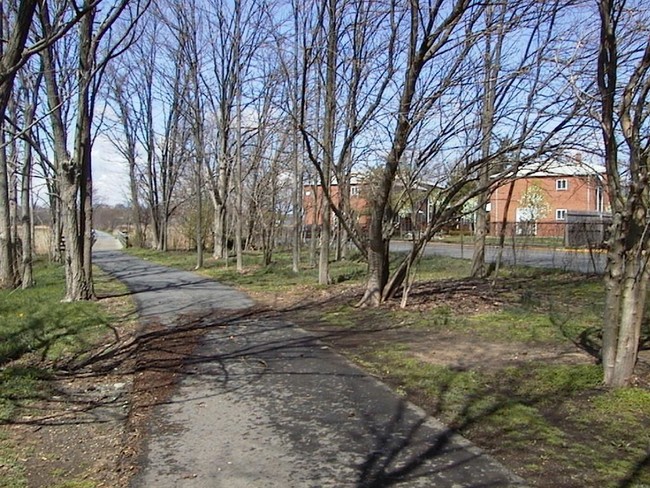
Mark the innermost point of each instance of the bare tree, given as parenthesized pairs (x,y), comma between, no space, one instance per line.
(30,92)
(532,129)
(164,129)
(182,24)
(97,42)
(12,56)
(624,85)
(495,28)
(514,91)
(233,40)
(432,31)
(122,92)
(356,68)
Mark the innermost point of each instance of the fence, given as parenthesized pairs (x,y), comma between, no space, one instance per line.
(579,230)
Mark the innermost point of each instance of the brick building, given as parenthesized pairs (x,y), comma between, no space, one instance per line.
(541,199)
(408,220)
(314,199)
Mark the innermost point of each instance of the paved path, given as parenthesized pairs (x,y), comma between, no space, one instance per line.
(265,404)
(106,242)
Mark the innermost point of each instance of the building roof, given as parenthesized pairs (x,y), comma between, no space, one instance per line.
(556,168)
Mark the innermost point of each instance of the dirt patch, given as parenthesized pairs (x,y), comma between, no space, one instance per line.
(77,433)
(441,347)
(91,426)
(462,296)
(460,353)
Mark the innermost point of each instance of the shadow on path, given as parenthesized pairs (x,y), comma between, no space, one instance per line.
(244,399)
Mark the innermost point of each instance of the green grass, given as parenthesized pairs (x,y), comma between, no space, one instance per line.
(37,331)
(37,321)
(277,276)
(550,416)
(12,471)
(602,432)
(519,241)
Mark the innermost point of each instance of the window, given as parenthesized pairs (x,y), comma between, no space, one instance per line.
(561,185)
(600,202)
(308,193)
(560,214)
(354,191)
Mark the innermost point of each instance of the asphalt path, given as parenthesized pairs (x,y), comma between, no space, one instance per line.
(106,242)
(578,260)
(263,403)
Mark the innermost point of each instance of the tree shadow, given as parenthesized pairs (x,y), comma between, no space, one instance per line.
(634,476)
(444,454)
(400,445)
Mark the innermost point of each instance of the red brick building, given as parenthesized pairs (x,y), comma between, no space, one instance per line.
(314,199)
(409,219)
(542,198)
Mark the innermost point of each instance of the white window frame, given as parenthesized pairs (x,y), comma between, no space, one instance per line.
(561,184)
(600,200)
(560,214)
(354,191)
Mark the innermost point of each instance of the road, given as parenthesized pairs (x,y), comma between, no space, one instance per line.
(263,404)
(106,242)
(581,261)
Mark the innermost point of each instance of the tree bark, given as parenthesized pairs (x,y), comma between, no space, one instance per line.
(7,271)
(26,192)
(627,275)
(491,64)
(11,55)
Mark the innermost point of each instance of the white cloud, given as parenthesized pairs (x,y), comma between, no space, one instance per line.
(110,174)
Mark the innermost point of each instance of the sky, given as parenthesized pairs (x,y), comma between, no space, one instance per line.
(110,174)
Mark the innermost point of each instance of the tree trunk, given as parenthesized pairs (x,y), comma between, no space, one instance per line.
(377,261)
(219,195)
(502,232)
(136,212)
(199,222)
(11,53)
(296,203)
(82,160)
(491,64)
(626,284)
(7,271)
(220,249)
(26,206)
(480,235)
(75,277)
(622,114)
(328,141)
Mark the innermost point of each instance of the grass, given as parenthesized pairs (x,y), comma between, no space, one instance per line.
(551,420)
(37,332)
(36,321)
(12,471)
(277,276)
(520,241)
(540,413)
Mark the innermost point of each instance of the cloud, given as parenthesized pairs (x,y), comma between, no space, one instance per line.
(110,173)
